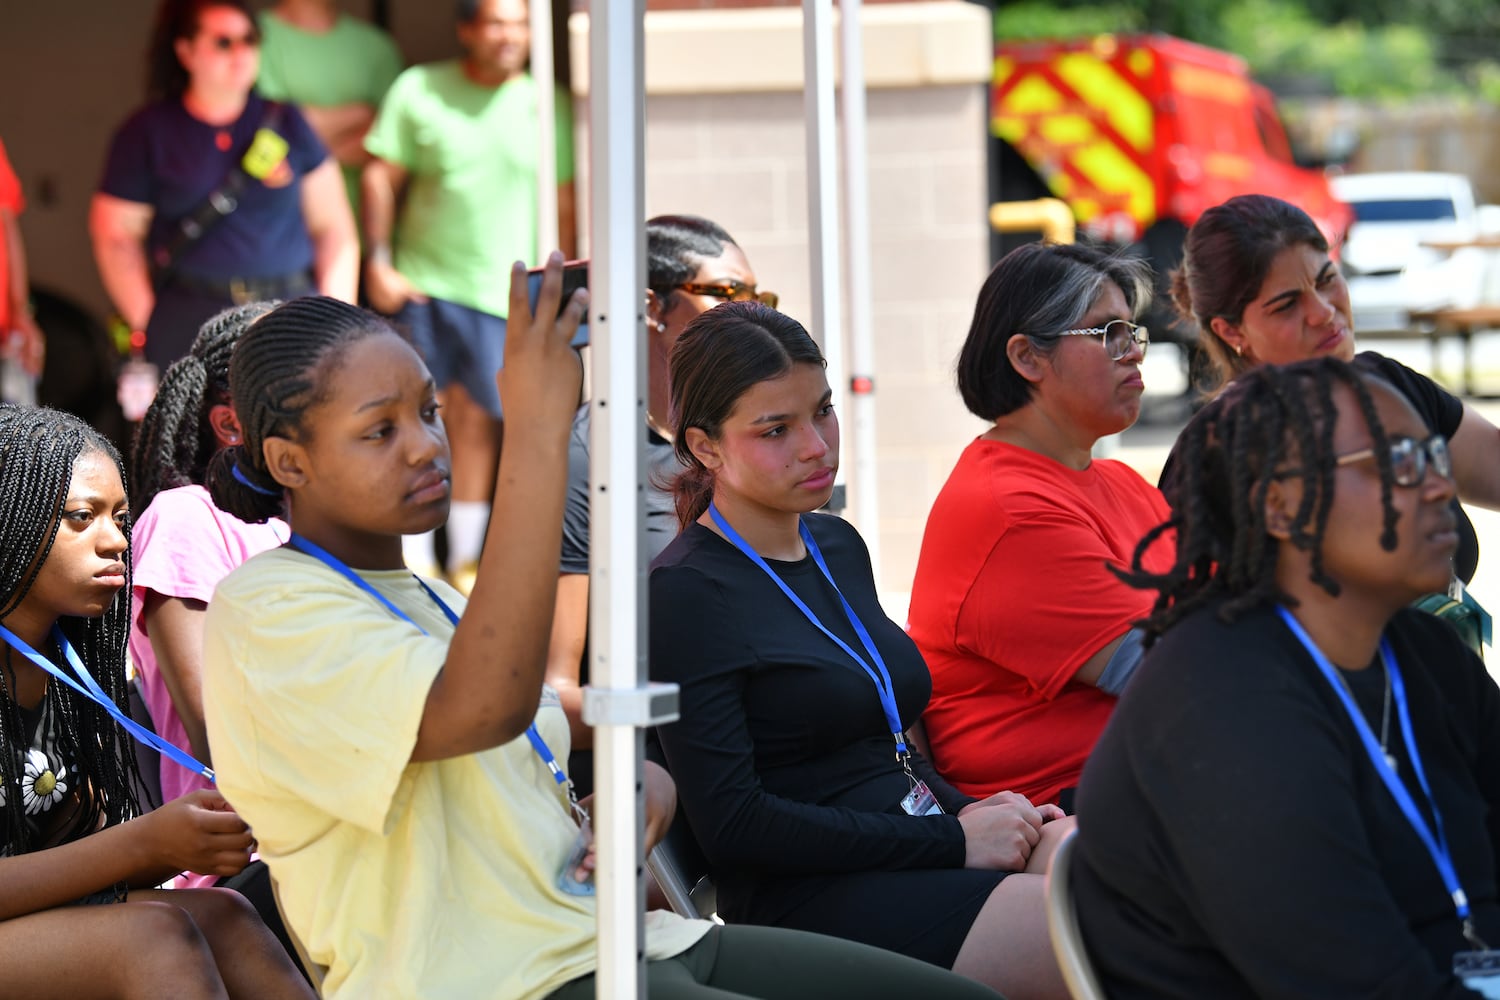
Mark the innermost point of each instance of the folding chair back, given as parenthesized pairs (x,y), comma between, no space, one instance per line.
(1062,920)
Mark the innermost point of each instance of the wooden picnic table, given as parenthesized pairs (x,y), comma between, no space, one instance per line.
(1461,323)
(1485,241)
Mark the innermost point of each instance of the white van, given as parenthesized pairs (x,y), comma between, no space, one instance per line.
(1390,268)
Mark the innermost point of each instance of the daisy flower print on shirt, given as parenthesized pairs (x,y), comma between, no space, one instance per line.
(42,785)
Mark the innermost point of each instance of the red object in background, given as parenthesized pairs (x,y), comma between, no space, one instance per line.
(1136,131)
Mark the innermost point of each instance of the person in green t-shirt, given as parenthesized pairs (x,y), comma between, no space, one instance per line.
(456,144)
(336,68)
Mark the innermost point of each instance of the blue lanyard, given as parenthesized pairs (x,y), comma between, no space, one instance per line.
(90,689)
(1436,844)
(335,563)
(879,675)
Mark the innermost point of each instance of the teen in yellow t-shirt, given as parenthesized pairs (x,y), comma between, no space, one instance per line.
(377,743)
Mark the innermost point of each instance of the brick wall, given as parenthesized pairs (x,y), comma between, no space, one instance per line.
(725,139)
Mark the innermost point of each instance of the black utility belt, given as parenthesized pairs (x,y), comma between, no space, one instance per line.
(243,290)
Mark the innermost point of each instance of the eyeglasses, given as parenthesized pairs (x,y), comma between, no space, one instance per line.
(1117,336)
(733,292)
(1410,459)
(227,43)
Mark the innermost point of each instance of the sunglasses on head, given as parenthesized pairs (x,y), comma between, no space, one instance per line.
(733,292)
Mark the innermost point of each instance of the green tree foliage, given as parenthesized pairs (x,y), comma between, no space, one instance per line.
(1355,48)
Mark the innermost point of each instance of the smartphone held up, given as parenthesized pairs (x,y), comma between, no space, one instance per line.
(575,276)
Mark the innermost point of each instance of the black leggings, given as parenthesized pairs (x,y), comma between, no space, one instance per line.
(770,963)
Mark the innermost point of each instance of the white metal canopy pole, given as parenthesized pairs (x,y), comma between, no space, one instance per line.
(618,702)
(823,191)
(546,118)
(862,481)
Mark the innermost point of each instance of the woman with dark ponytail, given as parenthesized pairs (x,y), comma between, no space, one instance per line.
(68,812)
(1259,283)
(182,544)
(1296,795)
(765,613)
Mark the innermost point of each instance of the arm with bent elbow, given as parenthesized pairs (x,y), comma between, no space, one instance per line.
(487,691)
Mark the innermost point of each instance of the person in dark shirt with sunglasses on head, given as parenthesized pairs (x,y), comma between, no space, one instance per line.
(692,265)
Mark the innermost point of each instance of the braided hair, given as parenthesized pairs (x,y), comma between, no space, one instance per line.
(176,440)
(1272,422)
(38,449)
(276,373)
(721,355)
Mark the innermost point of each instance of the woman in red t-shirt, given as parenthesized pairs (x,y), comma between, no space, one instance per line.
(1026,629)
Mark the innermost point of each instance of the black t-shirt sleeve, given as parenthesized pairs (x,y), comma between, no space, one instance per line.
(1442,410)
(128,172)
(575,536)
(307,151)
(698,642)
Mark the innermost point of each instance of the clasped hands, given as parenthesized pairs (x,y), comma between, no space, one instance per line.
(1001,831)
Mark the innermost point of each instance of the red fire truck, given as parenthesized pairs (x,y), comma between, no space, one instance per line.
(1139,134)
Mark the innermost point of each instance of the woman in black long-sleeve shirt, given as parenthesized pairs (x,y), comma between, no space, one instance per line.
(787,758)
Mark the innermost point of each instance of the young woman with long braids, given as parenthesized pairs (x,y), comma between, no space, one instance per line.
(395,746)
(1296,794)
(795,684)
(67,810)
(182,545)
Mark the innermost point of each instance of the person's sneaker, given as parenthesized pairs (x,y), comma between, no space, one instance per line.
(462,579)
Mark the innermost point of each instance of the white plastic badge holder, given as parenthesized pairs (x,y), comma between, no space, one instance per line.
(567,879)
(920,801)
(1480,971)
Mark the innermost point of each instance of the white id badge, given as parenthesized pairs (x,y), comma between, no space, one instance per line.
(1480,971)
(565,878)
(919,801)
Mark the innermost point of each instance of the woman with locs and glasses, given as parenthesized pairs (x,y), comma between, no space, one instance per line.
(692,265)
(1303,775)
(1258,283)
(1027,633)
(211,196)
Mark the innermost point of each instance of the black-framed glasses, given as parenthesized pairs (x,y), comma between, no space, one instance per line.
(733,291)
(1117,336)
(1410,459)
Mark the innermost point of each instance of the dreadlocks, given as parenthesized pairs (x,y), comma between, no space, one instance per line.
(276,373)
(176,440)
(1272,422)
(38,448)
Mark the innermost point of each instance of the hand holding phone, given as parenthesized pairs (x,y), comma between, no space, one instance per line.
(575,276)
